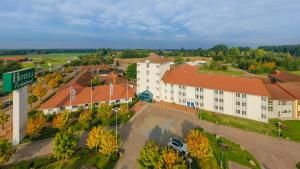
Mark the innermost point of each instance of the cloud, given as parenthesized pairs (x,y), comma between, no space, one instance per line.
(212,20)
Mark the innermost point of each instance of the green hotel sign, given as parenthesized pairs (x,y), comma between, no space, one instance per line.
(17,79)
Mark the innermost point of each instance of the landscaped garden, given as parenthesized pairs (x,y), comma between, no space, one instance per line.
(288,129)
(206,151)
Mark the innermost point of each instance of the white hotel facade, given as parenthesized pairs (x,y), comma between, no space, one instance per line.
(236,96)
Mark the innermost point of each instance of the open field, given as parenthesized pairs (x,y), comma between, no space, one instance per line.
(45,60)
(222,72)
(296,72)
(270,128)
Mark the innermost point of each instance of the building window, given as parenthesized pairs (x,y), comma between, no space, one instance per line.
(221,100)
(244,96)
(263,116)
(183,87)
(244,104)
(183,94)
(237,103)
(263,98)
(237,95)
(157,66)
(147,87)
(197,96)
(179,93)
(184,101)
(201,97)
(179,100)
(263,107)
(216,107)
(221,108)
(237,111)
(197,104)
(147,65)
(216,91)
(270,108)
(147,80)
(221,92)
(201,104)
(244,113)
(201,89)
(197,89)
(215,99)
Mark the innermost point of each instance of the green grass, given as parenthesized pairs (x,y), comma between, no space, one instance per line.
(296,72)
(224,72)
(235,153)
(27,64)
(82,158)
(271,128)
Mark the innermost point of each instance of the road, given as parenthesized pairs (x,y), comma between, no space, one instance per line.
(159,124)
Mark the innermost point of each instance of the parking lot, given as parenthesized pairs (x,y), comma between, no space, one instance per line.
(159,124)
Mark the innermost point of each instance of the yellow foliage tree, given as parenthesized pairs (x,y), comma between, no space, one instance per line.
(62,120)
(123,110)
(104,112)
(85,118)
(198,144)
(39,90)
(35,125)
(170,159)
(103,140)
(53,83)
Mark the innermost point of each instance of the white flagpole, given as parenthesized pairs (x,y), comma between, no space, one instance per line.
(70,97)
(91,96)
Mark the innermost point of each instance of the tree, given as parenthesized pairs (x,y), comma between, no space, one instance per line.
(32,99)
(149,155)
(103,140)
(39,90)
(104,112)
(53,83)
(3,119)
(95,81)
(35,125)
(123,111)
(170,159)
(131,71)
(198,144)
(6,150)
(65,144)
(178,60)
(85,118)
(62,120)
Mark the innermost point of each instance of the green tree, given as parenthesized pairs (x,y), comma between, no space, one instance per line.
(85,118)
(65,144)
(32,99)
(149,155)
(131,71)
(178,60)
(3,119)
(6,150)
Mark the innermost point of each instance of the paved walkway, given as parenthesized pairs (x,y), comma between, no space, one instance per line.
(159,124)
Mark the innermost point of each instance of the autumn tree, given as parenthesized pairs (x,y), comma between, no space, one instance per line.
(124,111)
(62,120)
(39,90)
(53,83)
(198,144)
(35,125)
(6,150)
(149,155)
(3,119)
(85,118)
(104,112)
(103,140)
(65,144)
(32,99)
(170,159)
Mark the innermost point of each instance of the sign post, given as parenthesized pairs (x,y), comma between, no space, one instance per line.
(17,82)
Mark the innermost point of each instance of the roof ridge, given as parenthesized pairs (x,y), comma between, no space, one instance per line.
(286,91)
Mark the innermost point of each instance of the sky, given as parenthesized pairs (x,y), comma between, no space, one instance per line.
(147,23)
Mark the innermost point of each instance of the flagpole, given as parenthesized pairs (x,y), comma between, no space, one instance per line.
(70,97)
(91,96)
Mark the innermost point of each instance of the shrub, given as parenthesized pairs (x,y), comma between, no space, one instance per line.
(6,150)
(65,144)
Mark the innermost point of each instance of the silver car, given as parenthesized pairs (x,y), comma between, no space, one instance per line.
(178,145)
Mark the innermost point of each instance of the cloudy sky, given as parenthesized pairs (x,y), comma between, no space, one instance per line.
(147,23)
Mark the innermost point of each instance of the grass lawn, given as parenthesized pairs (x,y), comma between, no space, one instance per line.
(81,159)
(234,153)
(270,128)
(296,72)
(27,64)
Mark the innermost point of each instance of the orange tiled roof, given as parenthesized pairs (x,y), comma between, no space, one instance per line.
(83,95)
(187,75)
(282,76)
(277,93)
(18,59)
(292,88)
(157,59)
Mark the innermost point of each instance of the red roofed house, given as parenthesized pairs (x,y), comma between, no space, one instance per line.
(82,95)
(231,95)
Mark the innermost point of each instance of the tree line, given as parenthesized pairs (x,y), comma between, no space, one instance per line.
(294,50)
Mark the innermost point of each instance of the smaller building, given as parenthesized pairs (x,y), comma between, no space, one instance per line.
(16,59)
(282,76)
(99,69)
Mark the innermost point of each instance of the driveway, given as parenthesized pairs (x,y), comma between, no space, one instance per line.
(159,124)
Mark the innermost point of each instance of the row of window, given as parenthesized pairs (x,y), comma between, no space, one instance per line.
(243,112)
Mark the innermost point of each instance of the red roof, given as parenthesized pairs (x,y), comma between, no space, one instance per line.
(187,75)
(277,93)
(83,95)
(282,76)
(157,59)
(292,88)
(18,59)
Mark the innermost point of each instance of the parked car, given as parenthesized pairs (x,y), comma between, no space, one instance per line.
(178,145)
(6,104)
